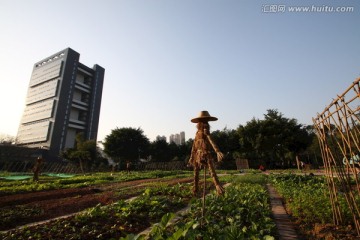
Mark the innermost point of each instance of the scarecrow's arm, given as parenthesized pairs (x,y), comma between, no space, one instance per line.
(219,154)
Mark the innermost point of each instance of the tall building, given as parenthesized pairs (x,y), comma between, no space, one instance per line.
(182,138)
(63,99)
(177,138)
(172,138)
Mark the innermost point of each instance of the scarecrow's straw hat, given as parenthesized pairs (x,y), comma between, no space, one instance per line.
(204,116)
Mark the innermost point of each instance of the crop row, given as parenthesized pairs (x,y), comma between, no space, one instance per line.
(243,212)
(52,182)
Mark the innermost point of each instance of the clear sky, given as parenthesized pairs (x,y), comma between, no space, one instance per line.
(166,60)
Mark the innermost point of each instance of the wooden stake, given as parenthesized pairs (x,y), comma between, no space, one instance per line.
(203,200)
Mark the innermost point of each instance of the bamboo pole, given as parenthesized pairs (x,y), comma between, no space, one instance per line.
(338,133)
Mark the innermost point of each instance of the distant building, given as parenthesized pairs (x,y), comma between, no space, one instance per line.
(182,138)
(63,99)
(177,138)
(172,138)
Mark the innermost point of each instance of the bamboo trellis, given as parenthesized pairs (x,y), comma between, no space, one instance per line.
(338,131)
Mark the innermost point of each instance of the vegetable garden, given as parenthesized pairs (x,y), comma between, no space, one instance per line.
(146,205)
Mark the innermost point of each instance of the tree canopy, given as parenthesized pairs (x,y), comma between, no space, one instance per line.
(126,144)
(84,153)
(276,139)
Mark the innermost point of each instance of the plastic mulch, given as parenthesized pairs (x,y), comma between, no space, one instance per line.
(61,175)
(24,177)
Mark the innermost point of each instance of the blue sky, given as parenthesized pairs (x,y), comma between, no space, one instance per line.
(166,60)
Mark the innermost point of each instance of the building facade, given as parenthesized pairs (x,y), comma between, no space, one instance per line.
(63,99)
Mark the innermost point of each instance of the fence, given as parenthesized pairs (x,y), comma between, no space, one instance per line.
(26,167)
(242,164)
(71,168)
(338,131)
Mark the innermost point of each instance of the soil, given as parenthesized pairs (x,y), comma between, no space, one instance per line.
(57,203)
(329,232)
(324,231)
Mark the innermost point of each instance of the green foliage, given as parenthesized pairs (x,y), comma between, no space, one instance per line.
(307,197)
(244,207)
(253,178)
(11,214)
(243,212)
(47,183)
(85,152)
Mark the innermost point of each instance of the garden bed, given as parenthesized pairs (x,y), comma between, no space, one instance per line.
(242,211)
(24,208)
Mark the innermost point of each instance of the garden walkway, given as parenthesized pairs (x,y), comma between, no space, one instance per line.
(286,228)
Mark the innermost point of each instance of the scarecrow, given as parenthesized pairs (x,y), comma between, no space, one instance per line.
(202,152)
(36,169)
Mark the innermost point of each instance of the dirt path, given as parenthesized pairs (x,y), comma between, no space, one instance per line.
(56,203)
(286,229)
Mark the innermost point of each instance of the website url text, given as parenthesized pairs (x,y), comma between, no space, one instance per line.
(278,8)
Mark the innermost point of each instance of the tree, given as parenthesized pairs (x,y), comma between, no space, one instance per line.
(174,151)
(126,144)
(160,151)
(85,151)
(185,150)
(276,139)
(313,153)
(229,144)
(250,146)
(6,139)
